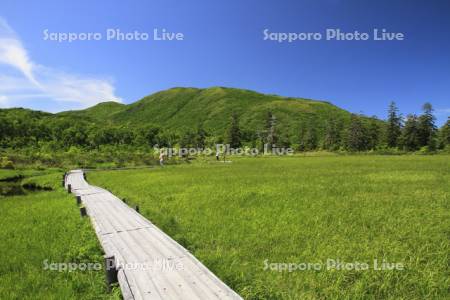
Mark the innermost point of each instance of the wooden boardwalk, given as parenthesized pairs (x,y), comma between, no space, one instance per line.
(151,265)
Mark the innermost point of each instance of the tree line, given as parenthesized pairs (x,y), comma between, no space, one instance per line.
(358,134)
(337,133)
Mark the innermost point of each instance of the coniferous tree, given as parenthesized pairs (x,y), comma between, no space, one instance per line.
(233,134)
(373,133)
(410,134)
(356,139)
(427,127)
(444,134)
(394,125)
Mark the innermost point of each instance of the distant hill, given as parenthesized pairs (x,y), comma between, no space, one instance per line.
(183,108)
(99,112)
(177,111)
(25,113)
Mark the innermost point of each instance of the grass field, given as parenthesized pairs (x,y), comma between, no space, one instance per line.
(41,228)
(237,217)
(12,174)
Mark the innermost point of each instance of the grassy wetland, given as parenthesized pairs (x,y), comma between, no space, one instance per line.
(250,219)
(41,227)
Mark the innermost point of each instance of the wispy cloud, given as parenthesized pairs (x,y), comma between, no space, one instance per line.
(13,53)
(37,83)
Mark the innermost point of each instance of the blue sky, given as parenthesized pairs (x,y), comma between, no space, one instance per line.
(223,45)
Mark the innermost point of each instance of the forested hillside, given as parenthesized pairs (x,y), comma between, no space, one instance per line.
(191,117)
(165,117)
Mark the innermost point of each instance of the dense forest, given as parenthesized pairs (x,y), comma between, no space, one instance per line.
(117,133)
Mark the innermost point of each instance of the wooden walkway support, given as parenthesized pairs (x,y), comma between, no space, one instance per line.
(149,264)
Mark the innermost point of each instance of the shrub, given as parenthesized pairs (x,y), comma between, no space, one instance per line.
(5,163)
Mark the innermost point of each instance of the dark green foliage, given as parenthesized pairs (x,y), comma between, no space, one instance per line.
(357,138)
(394,125)
(148,135)
(233,134)
(301,138)
(284,139)
(444,134)
(308,135)
(373,133)
(188,139)
(311,140)
(410,134)
(200,137)
(332,138)
(427,128)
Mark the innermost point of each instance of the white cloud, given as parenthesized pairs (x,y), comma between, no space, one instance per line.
(41,83)
(76,88)
(12,52)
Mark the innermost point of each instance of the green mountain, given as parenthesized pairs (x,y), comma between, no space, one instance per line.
(99,112)
(169,115)
(178,109)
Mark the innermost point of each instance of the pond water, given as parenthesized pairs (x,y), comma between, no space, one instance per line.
(14,187)
(11,188)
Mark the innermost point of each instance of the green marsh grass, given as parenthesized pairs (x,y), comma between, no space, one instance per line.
(235,216)
(46,227)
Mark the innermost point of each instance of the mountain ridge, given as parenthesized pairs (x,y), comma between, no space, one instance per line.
(181,109)
(211,107)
